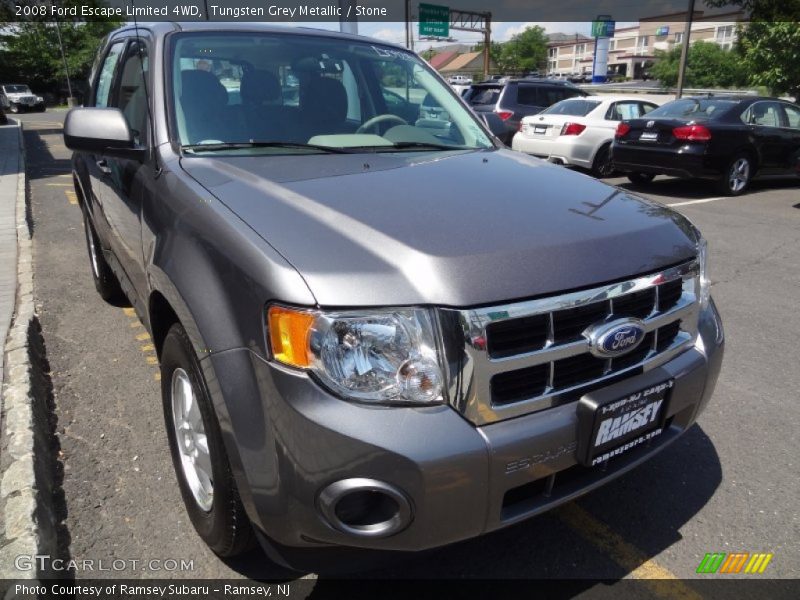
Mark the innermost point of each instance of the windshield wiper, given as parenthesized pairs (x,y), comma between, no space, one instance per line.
(258,144)
(423,145)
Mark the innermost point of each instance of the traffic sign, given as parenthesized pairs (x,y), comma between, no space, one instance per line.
(434,20)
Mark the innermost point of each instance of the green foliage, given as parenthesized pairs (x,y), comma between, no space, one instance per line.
(526,51)
(771,53)
(708,66)
(30,52)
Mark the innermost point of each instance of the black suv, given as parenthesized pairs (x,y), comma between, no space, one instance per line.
(516,98)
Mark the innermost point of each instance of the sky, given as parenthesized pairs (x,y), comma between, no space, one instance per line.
(501,31)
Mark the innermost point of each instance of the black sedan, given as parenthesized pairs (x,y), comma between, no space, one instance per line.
(727,139)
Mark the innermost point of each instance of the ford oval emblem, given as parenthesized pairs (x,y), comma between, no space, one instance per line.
(615,338)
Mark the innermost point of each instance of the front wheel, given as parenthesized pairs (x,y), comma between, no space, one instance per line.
(105,281)
(640,178)
(14,108)
(198,454)
(737,176)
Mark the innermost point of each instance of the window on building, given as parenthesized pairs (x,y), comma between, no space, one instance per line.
(679,37)
(580,48)
(552,52)
(644,41)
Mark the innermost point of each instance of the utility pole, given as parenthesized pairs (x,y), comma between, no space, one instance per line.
(70,99)
(409,33)
(348,23)
(685,50)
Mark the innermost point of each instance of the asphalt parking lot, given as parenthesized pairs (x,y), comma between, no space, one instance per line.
(729,485)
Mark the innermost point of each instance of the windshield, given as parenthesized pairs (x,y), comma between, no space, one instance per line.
(573,108)
(695,108)
(275,93)
(16,89)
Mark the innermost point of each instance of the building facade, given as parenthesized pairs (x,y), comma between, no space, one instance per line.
(632,49)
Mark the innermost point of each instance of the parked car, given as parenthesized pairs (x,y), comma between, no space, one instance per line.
(20,98)
(517,98)
(459,80)
(370,337)
(727,139)
(579,131)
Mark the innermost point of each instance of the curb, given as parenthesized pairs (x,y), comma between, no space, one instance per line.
(26,524)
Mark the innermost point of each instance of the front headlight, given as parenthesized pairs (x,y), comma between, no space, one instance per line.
(39,99)
(705,282)
(379,356)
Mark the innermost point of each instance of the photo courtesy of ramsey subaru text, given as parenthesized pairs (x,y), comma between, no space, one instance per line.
(362,344)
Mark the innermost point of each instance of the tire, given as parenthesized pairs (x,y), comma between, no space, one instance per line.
(602,166)
(641,179)
(211,499)
(738,175)
(105,281)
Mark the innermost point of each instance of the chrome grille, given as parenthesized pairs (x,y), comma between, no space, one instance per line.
(529,356)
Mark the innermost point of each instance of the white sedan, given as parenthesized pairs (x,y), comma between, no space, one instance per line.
(579,131)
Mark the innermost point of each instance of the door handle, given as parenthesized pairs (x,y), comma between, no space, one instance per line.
(103,166)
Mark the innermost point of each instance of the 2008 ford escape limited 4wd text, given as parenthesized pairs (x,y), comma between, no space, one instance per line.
(376,330)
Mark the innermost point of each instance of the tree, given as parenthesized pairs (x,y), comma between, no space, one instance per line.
(525,51)
(30,52)
(771,54)
(769,43)
(708,65)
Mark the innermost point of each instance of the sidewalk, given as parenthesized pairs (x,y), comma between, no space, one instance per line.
(9,172)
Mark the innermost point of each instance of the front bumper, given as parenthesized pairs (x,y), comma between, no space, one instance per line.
(288,440)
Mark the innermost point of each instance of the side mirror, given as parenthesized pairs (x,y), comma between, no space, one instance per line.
(101,131)
(494,123)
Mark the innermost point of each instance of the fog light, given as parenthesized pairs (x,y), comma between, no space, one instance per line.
(365,507)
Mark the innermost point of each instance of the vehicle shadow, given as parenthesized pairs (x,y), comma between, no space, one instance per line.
(646,508)
(698,189)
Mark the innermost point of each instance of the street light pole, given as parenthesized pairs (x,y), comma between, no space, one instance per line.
(685,50)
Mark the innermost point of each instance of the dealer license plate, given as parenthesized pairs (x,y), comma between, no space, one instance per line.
(621,424)
(540,129)
(649,136)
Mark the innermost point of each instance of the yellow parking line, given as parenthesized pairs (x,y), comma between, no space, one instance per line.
(72,198)
(143,337)
(661,581)
(157,376)
(129,312)
(148,348)
(151,360)
(67,185)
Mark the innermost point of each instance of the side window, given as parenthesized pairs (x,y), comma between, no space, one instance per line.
(102,95)
(619,111)
(646,107)
(527,96)
(792,115)
(766,114)
(131,93)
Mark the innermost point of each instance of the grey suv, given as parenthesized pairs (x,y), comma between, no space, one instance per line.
(362,343)
(513,99)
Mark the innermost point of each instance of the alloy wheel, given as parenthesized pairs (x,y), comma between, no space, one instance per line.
(190,436)
(739,174)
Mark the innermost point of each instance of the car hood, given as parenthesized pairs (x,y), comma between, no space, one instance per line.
(452,229)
